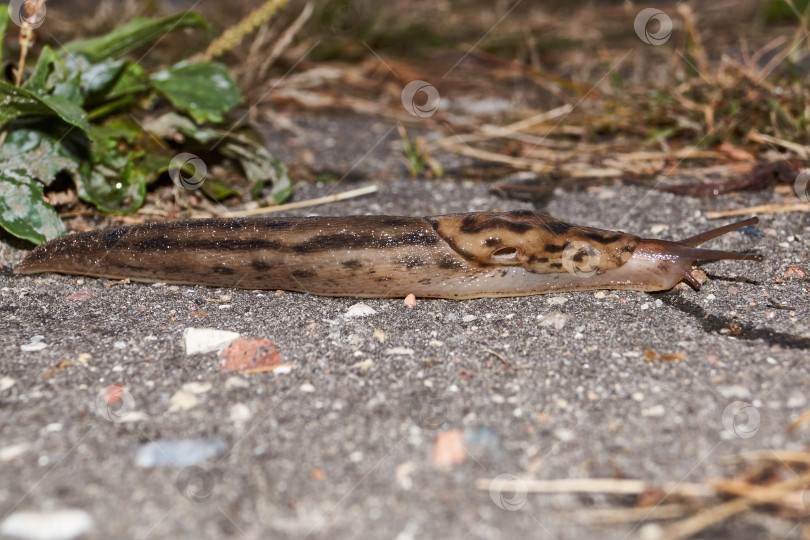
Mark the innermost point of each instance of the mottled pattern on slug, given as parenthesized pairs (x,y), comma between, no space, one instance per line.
(451,256)
(537,242)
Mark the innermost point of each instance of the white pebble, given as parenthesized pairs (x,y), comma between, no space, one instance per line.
(653,412)
(182,401)
(51,525)
(36,344)
(120,344)
(555,319)
(240,413)
(197,387)
(308,388)
(6,383)
(468,318)
(359,309)
(399,350)
(205,340)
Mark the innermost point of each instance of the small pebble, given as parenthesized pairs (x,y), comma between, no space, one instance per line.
(468,318)
(240,413)
(120,344)
(182,401)
(13,451)
(359,309)
(400,351)
(205,340)
(178,452)
(410,300)
(308,388)
(379,335)
(6,383)
(47,525)
(555,319)
(196,387)
(36,344)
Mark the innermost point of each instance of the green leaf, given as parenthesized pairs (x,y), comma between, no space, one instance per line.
(23,213)
(38,154)
(216,190)
(116,184)
(4,18)
(18,102)
(205,90)
(259,165)
(128,37)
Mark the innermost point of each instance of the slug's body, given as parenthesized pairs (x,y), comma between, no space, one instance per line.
(451,256)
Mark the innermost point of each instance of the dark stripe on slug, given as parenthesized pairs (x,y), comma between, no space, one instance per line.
(536,259)
(329,242)
(222,270)
(493,242)
(303,273)
(473,224)
(551,248)
(603,238)
(259,265)
(557,227)
(353,264)
(131,267)
(449,262)
(412,262)
(556,265)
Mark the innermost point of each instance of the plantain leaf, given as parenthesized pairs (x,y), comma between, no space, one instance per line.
(18,102)
(204,90)
(23,213)
(37,152)
(128,37)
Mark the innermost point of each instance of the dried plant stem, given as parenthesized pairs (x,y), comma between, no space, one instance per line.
(716,514)
(761,209)
(303,204)
(25,39)
(233,36)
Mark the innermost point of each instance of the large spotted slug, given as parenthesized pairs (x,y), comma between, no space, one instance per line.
(450,256)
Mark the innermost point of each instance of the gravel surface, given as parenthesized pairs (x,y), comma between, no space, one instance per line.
(379,424)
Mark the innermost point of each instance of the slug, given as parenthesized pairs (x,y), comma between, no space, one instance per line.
(455,256)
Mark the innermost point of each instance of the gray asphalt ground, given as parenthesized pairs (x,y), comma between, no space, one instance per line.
(342,445)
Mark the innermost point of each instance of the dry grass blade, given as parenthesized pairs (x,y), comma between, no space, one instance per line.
(761,209)
(303,204)
(614,486)
(716,514)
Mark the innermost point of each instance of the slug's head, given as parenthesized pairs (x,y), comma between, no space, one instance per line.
(670,262)
(598,258)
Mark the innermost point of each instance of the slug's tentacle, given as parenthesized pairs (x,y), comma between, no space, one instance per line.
(695,241)
(451,256)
